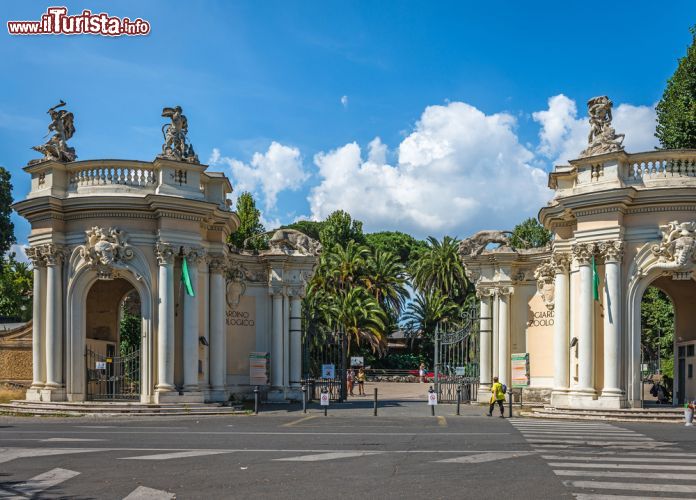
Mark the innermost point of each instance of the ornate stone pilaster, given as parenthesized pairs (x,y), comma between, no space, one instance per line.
(561,266)
(39,300)
(218,313)
(165,321)
(612,251)
(193,255)
(485,294)
(53,256)
(583,253)
(504,293)
(277,336)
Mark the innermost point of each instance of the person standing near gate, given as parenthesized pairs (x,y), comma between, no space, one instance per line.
(361,381)
(497,395)
(350,380)
(421,372)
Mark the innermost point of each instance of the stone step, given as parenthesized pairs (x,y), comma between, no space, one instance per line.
(80,409)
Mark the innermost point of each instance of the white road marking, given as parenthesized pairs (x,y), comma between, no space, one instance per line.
(486,457)
(579,431)
(591,496)
(44,481)
(67,440)
(9,454)
(599,485)
(327,456)
(645,467)
(592,437)
(594,442)
(180,454)
(144,493)
(622,459)
(626,475)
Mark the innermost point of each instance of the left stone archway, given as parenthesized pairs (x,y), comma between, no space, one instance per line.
(76,330)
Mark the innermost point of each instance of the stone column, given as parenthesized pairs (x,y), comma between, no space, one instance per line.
(296,337)
(165,318)
(583,254)
(191,322)
(37,337)
(218,344)
(561,340)
(277,338)
(504,334)
(286,341)
(205,320)
(54,318)
(485,353)
(612,253)
(495,344)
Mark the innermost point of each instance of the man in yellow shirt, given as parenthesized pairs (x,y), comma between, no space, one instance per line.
(497,395)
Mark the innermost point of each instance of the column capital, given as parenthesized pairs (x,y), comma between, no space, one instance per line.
(164,253)
(583,252)
(561,262)
(35,256)
(195,255)
(216,262)
(504,291)
(276,290)
(612,251)
(52,254)
(296,292)
(483,291)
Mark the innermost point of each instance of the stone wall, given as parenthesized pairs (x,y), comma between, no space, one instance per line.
(16,355)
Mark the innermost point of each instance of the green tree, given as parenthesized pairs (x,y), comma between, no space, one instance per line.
(676,111)
(403,245)
(386,281)
(657,323)
(251,233)
(438,268)
(423,314)
(530,234)
(129,332)
(7,237)
(340,228)
(15,289)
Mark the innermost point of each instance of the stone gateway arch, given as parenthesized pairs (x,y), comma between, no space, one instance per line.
(623,221)
(106,234)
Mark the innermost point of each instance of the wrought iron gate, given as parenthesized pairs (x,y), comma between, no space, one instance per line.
(457,358)
(319,349)
(111,377)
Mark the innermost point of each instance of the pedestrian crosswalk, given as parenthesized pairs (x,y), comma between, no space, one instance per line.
(602,461)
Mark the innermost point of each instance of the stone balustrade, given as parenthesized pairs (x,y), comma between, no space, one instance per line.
(660,165)
(88,175)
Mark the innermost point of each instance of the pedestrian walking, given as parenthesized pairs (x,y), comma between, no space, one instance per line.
(350,380)
(497,396)
(421,372)
(361,381)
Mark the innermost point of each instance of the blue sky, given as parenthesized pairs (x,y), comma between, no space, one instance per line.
(468,100)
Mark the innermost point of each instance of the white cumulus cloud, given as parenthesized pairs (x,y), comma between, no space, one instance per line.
(280,168)
(563,135)
(344,101)
(20,251)
(458,171)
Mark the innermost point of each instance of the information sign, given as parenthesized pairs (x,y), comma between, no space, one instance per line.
(356,361)
(432,398)
(258,368)
(328,371)
(324,399)
(460,370)
(101,365)
(520,369)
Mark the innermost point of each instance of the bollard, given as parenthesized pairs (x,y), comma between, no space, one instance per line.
(510,402)
(256,400)
(304,398)
(375,409)
(459,398)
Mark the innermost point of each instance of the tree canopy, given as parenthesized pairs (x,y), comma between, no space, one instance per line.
(403,245)
(15,289)
(340,228)
(250,229)
(7,237)
(676,111)
(530,234)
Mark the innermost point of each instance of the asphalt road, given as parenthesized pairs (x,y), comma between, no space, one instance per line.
(402,453)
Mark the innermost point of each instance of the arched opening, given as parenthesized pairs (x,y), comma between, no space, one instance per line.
(113,341)
(667,342)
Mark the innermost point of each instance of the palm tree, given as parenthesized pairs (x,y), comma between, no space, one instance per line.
(439,268)
(427,310)
(359,315)
(386,281)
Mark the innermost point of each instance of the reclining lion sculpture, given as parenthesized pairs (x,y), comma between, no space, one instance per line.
(476,244)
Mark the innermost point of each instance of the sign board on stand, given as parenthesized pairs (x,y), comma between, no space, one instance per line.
(328,371)
(258,368)
(520,369)
(324,399)
(432,398)
(356,361)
